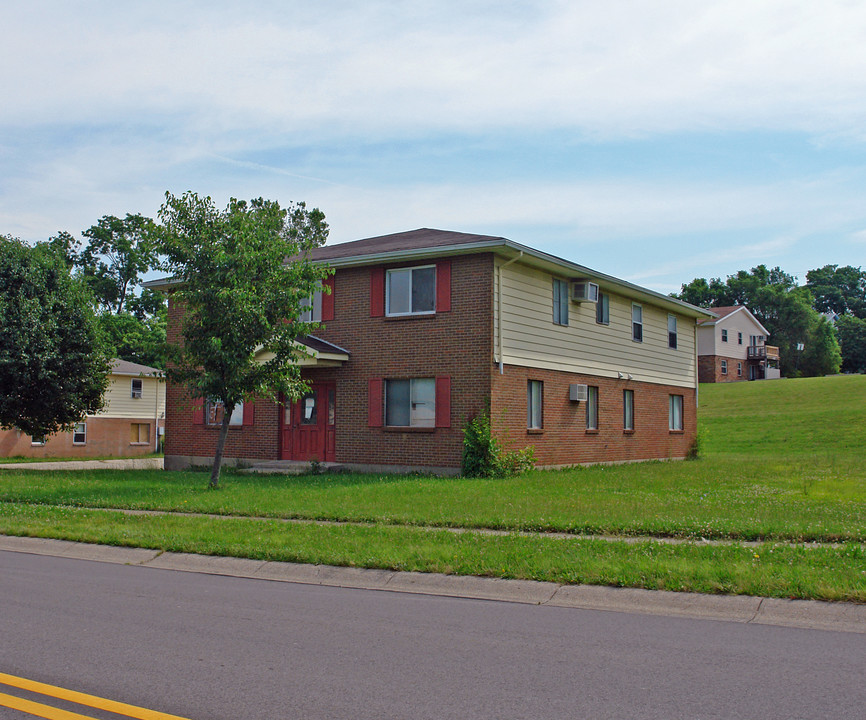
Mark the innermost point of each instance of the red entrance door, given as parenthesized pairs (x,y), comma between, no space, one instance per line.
(308,425)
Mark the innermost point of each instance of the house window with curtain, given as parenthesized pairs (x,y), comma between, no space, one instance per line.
(410,291)
(628,410)
(592,408)
(410,403)
(675,415)
(534,404)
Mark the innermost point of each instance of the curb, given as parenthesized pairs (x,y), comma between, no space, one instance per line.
(808,614)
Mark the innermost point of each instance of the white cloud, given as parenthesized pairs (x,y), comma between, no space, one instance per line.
(603,69)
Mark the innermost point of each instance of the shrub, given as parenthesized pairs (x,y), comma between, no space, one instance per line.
(484,457)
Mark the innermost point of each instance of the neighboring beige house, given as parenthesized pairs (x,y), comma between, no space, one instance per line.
(732,346)
(129,424)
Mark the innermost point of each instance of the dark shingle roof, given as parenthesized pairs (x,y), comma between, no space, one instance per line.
(399,242)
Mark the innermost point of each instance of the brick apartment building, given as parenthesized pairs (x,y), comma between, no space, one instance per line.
(425,329)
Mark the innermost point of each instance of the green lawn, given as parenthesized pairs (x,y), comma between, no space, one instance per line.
(780,463)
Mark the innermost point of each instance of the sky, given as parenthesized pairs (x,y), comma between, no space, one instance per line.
(656,141)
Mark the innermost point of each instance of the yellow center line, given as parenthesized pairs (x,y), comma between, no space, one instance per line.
(119,708)
(39,710)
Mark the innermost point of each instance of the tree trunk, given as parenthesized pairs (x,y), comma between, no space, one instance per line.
(221,443)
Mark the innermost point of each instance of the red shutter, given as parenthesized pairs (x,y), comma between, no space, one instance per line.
(443,286)
(328,300)
(377,292)
(249,413)
(198,411)
(374,403)
(443,401)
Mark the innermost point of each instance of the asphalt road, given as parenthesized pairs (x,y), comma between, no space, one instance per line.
(211,647)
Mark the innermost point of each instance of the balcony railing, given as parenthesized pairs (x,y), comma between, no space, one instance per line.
(763,352)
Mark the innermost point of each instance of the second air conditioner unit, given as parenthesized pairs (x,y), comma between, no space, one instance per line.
(578,392)
(584,291)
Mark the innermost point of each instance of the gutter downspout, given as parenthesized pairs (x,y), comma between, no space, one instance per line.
(499,308)
(156,418)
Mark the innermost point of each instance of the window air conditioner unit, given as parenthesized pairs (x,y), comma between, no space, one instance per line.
(577,392)
(584,291)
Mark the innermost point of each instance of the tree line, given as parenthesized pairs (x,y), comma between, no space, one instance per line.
(826,316)
(242,276)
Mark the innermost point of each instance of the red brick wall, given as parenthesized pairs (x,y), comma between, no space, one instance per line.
(405,347)
(105,437)
(710,369)
(457,344)
(564,439)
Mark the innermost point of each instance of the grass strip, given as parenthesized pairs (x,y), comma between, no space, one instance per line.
(820,500)
(770,570)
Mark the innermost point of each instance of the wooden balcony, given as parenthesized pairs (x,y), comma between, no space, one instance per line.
(763,352)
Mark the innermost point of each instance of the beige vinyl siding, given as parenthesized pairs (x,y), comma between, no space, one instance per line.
(531,339)
(119,402)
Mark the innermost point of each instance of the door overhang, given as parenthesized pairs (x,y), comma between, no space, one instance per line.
(313,352)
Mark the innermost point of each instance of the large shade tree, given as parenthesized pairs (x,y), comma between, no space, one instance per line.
(53,364)
(241,275)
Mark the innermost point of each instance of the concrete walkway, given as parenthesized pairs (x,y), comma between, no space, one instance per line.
(810,614)
(122,464)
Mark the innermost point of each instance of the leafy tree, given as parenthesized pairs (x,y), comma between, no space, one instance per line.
(851,332)
(53,365)
(118,253)
(838,289)
(781,306)
(821,355)
(139,339)
(242,275)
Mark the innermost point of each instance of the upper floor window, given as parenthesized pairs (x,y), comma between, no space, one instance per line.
(637,323)
(410,291)
(739,338)
(311,308)
(602,309)
(410,403)
(136,390)
(560,302)
(724,335)
(672,331)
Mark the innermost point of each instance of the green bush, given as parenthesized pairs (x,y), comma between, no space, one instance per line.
(483,456)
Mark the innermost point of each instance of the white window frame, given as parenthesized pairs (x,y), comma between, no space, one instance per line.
(560,302)
(602,309)
(37,440)
(675,413)
(410,270)
(739,369)
(534,404)
(628,410)
(637,324)
(724,367)
(136,393)
(82,432)
(724,335)
(417,418)
(739,338)
(592,408)
(313,311)
(672,333)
